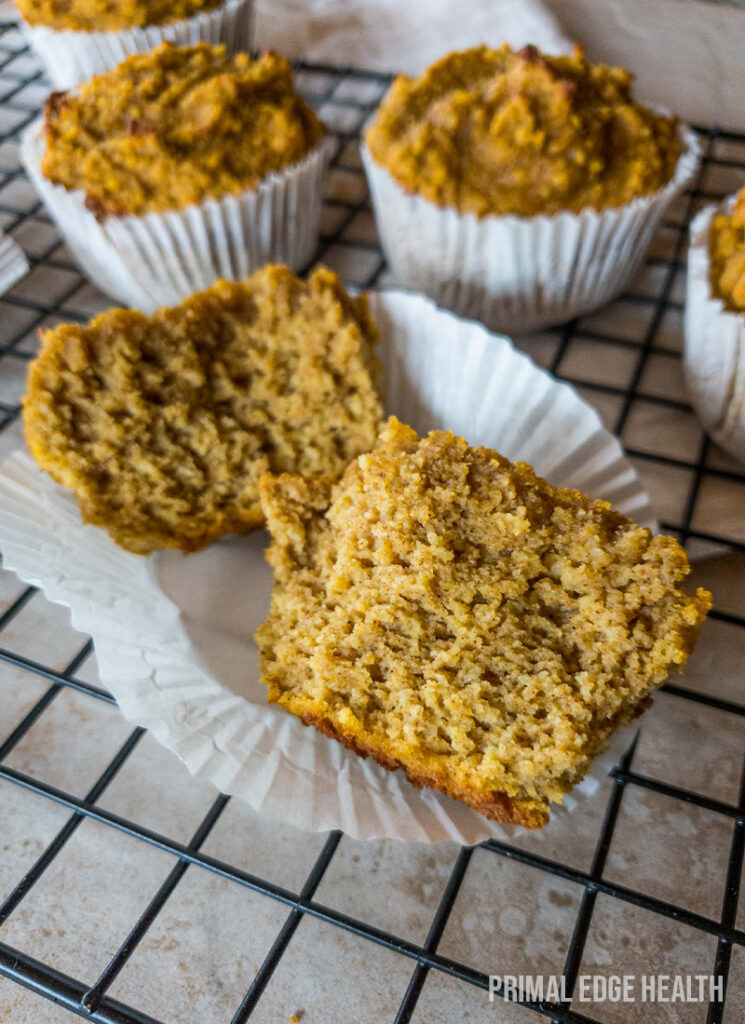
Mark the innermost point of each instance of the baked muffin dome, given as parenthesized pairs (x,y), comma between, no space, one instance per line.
(175,127)
(109,15)
(727,255)
(497,132)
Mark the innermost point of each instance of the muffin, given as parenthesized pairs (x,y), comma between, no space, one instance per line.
(521,189)
(163,425)
(449,613)
(179,167)
(714,359)
(78,39)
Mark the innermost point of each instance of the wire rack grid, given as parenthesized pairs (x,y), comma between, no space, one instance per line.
(626,360)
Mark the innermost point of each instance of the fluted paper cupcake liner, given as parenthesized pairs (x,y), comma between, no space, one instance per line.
(714,359)
(518,274)
(71,57)
(158,259)
(174,635)
(13,263)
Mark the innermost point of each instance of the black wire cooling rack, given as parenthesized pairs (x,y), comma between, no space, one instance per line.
(631,376)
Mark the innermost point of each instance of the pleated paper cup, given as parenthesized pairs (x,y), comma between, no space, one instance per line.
(174,635)
(13,263)
(714,359)
(519,274)
(159,259)
(71,57)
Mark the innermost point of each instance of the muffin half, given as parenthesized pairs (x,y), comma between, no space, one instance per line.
(451,614)
(163,425)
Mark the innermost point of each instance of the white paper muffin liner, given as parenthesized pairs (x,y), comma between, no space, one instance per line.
(158,259)
(174,634)
(714,359)
(13,263)
(71,57)
(518,274)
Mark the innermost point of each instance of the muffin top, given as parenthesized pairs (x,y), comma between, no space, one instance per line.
(176,126)
(727,252)
(497,132)
(109,15)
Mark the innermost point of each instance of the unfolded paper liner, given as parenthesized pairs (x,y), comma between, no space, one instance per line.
(71,57)
(173,634)
(158,259)
(714,355)
(518,274)
(13,263)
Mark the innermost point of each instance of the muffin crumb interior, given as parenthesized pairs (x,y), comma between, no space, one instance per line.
(452,614)
(163,425)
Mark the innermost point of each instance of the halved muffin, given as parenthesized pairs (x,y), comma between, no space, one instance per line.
(449,613)
(163,425)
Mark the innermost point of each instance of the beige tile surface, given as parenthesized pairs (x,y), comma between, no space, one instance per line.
(694,840)
(155,790)
(624,939)
(510,918)
(85,903)
(262,847)
(445,1000)
(668,432)
(328,976)
(19,1006)
(394,886)
(692,746)
(202,952)
(20,691)
(28,823)
(42,632)
(72,742)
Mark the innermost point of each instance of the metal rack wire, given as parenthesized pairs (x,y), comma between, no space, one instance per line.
(345,99)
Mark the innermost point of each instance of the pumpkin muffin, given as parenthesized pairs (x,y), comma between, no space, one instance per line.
(727,248)
(519,189)
(451,614)
(163,425)
(497,132)
(109,15)
(175,127)
(714,322)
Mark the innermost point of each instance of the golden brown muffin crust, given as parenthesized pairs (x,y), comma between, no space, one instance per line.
(449,613)
(177,126)
(109,15)
(727,256)
(163,425)
(496,132)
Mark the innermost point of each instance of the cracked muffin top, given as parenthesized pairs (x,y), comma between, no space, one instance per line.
(727,256)
(109,15)
(176,126)
(450,613)
(163,425)
(497,132)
